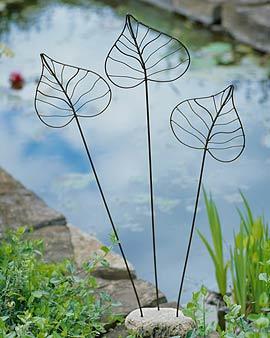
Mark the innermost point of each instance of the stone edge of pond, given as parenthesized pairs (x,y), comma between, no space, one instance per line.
(21,207)
(247,21)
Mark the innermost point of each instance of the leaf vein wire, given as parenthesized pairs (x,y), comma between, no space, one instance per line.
(156,50)
(96,98)
(198,115)
(124,63)
(198,131)
(89,91)
(74,88)
(190,133)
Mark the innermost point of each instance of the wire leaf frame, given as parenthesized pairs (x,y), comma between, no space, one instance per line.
(210,124)
(141,55)
(67,93)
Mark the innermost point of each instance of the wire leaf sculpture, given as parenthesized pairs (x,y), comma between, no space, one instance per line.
(65,93)
(141,55)
(210,124)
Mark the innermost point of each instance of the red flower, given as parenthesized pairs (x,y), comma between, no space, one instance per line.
(16,80)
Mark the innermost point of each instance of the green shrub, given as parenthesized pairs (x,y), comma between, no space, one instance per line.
(249,258)
(239,326)
(196,309)
(39,299)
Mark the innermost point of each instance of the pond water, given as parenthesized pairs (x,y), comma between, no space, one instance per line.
(53,163)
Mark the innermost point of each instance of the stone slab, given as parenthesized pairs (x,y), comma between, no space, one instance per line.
(159,324)
(248,24)
(118,331)
(165,4)
(86,245)
(207,12)
(21,207)
(57,242)
(122,291)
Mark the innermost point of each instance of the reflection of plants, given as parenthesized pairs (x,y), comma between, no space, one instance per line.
(216,251)
(5,51)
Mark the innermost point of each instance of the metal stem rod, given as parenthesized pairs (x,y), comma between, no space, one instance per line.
(191,231)
(108,211)
(99,186)
(151,188)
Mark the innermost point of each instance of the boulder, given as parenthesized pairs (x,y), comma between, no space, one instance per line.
(21,207)
(248,24)
(207,12)
(118,331)
(122,291)
(85,245)
(165,4)
(162,323)
(57,242)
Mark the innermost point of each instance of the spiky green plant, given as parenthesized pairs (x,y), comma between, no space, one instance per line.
(216,250)
(249,259)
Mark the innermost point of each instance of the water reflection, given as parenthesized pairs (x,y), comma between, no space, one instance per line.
(53,163)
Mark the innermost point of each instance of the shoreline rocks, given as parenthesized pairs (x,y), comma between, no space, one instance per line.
(247,21)
(21,207)
(85,245)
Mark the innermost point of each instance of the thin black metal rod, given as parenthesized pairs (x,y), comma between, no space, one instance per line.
(191,231)
(108,211)
(151,188)
(76,117)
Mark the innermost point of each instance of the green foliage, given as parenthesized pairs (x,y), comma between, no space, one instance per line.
(216,251)
(250,263)
(237,325)
(196,310)
(249,258)
(39,299)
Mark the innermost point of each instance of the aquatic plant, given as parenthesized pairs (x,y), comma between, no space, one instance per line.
(216,251)
(249,258)
(250,262)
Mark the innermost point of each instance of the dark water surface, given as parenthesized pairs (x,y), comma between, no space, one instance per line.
(53,163)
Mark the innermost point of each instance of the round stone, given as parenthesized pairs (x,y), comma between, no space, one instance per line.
(159,323)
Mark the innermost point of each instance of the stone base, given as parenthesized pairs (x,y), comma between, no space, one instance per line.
(162,323)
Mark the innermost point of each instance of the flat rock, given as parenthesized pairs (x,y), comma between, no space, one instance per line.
(165,4)
(122,291)
(57,242)
(85,246)
(117,332)
(248,24)
(21,207)
(162,323)
(207,12)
